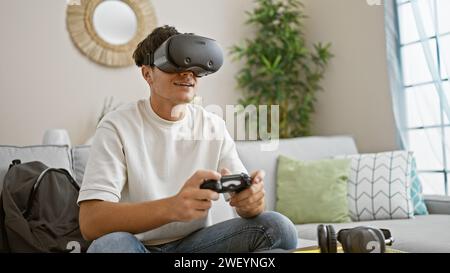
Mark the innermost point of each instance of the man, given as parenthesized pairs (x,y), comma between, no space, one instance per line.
(141,188)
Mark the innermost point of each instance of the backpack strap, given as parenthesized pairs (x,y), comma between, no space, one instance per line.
(63,171)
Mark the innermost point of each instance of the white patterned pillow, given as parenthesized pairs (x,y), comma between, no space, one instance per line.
(379,186)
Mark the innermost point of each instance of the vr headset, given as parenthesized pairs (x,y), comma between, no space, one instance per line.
(188,52)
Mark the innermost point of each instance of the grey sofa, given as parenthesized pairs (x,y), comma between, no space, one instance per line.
(428,233)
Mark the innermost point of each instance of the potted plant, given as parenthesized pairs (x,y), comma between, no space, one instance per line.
(279,68)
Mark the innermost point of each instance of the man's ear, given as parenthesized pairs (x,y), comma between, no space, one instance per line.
(147,73)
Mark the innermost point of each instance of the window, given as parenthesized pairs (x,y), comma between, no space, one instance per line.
(428,126)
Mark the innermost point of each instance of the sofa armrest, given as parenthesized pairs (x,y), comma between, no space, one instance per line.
(437,204)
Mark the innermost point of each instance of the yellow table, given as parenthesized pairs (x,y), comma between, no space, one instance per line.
(316,249)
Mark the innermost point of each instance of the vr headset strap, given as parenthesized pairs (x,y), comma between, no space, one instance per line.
(150,59)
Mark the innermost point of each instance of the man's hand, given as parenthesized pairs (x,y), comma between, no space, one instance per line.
(191,202)
(249,202)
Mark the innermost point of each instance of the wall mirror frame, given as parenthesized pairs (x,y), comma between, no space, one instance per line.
(80,24)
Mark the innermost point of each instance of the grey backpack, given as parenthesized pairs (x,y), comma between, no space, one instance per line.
(39,211)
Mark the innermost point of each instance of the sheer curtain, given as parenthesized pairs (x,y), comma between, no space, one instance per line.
(418,51)
(426,11)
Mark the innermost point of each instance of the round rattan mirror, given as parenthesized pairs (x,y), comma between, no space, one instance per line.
(108,31)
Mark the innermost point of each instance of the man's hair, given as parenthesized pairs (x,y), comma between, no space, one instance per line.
(150,44)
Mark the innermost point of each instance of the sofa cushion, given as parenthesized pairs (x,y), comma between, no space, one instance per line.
(304,148)
(313,191)
(424,233)
(80,155)
(420,207)
(53,156)
(379,186)
(437,204)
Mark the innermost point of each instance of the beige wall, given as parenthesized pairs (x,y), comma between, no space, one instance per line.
(46,83)
(356,100)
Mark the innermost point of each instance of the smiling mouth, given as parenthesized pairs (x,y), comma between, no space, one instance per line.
(184,84)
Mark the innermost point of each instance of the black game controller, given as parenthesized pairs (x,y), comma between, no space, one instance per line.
(228,183)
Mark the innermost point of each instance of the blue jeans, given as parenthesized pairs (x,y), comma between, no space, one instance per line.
(269,230)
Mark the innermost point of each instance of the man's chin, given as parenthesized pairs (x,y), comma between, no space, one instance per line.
(185,99)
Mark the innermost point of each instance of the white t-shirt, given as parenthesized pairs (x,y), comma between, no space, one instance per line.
(137,156)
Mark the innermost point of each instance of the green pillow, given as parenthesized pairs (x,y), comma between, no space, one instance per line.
(313,191)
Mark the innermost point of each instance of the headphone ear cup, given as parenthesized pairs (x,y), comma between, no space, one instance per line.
(342,238)
(322,237)
(362,240)
(332,239)
(381,239)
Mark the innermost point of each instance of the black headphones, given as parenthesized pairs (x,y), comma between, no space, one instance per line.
(355,240)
